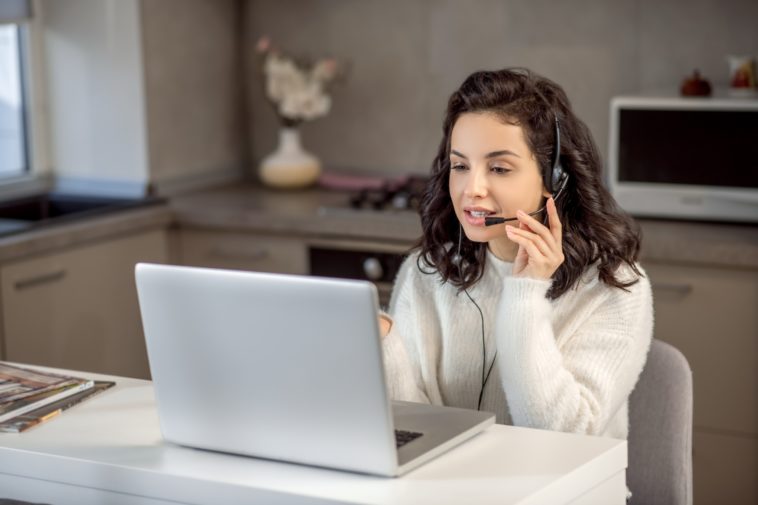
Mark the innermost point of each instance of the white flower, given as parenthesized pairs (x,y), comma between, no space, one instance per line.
(307,102)
(282,76)
(298,93)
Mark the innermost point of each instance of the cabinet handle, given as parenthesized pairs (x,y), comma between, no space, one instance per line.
(372,267)
(40,279)
(258,255)
(680,289)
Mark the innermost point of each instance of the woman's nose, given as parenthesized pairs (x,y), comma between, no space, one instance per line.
(476,186)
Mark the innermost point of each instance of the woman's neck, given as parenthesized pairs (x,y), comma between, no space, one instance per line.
(503,249)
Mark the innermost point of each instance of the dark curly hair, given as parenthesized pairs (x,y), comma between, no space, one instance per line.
(595,229)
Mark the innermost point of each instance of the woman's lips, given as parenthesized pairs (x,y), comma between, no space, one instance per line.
(475,217)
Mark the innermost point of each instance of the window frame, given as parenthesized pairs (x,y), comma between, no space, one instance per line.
(37,175)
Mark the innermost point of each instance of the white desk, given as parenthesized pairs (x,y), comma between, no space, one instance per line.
(109,450)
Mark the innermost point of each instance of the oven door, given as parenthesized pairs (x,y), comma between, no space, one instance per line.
(373,262)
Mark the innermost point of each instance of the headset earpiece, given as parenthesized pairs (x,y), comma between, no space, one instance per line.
(556,178)
(559,180)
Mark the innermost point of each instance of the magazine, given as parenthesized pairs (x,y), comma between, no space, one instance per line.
(17,382)
(38,416)
(23,390)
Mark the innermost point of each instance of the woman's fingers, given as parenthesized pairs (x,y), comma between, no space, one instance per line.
(531,249)
(545,249)
(536,227)
(543,246)
(556,227)
(385,325)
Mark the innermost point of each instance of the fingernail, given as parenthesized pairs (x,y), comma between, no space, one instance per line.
(520,213)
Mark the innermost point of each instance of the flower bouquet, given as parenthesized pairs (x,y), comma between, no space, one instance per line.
(298,91)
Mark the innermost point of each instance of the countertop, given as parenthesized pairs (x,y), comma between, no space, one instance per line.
(304,213)
(324,214)
(81,231)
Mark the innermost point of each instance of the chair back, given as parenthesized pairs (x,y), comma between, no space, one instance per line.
(660,430)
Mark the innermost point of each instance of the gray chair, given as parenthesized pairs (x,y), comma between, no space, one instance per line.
(660,430)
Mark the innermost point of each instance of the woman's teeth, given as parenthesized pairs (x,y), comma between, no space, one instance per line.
(478,213)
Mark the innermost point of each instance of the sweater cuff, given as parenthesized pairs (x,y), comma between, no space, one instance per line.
(527,288)
(397,368)
(526,292)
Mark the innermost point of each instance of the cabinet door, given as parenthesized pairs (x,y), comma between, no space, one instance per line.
(711,315)
(725,469)
(242,251)
(78,309)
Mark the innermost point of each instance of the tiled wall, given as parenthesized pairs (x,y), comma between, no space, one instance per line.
(407,57)
(193,88)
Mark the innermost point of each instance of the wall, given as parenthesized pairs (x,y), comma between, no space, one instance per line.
(143,92)
(409,55)
(96,98)
(193,85)
(153,91)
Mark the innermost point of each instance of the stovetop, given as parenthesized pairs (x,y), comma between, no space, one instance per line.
(397,194)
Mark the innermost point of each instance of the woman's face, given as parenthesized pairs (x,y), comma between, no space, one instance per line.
(493,171)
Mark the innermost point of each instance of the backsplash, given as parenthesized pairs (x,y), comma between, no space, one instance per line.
(408,56)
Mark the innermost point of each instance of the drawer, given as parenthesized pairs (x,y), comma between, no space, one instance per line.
(711,315)
(78,308)
(724,469)
(238,251)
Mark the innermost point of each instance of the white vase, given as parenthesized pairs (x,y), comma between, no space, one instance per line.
(290,166)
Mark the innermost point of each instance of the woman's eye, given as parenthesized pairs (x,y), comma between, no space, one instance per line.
(500,170)
(458,166)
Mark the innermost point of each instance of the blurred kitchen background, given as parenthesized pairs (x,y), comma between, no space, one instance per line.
(131,130)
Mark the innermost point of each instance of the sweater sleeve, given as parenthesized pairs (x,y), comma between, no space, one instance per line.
(401,345)
(578,385)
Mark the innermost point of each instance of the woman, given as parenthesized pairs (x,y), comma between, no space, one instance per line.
(545,319)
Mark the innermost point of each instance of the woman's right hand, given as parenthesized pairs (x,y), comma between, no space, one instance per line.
(385,324)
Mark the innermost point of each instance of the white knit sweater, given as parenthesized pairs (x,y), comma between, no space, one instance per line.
(566,365)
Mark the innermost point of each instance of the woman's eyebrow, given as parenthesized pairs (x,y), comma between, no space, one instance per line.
(493,154)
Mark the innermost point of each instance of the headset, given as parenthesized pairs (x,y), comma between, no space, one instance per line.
(555,179)
(553,176)
(458,259)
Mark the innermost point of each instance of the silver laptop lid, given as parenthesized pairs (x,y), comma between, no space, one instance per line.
(276,366)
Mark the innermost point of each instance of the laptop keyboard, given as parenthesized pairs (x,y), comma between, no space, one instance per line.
(403,437)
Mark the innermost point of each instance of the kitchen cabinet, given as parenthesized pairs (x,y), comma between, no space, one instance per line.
(725,469)
(77,308)
(711,315)
(259,252)
(241,251)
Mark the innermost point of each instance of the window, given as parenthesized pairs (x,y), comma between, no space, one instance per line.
(14,134)
(13,152)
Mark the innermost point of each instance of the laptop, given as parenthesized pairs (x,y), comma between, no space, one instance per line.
(283,367)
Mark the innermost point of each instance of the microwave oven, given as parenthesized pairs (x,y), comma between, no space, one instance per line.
(685,158)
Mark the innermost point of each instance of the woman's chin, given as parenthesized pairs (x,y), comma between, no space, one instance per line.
(480,233)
